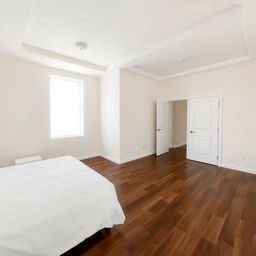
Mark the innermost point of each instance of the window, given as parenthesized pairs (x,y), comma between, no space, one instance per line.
(66,107)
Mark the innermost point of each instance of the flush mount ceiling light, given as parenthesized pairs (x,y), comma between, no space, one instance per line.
(81,45)
(184,59)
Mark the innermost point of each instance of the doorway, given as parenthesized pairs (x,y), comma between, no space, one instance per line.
(191,122)
(177,123)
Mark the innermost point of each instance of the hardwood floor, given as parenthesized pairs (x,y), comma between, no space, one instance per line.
(177,207)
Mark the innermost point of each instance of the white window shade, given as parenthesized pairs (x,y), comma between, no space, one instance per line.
(66,106)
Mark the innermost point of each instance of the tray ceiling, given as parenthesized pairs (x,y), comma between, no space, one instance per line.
(161,39)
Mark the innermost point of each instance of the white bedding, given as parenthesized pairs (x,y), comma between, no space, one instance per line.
(48,207)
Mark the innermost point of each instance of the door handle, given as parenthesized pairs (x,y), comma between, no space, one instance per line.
(159,130)
(192,132)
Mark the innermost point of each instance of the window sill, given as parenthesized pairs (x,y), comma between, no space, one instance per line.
(67,138)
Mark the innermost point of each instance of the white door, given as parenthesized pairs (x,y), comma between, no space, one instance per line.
(203,129)
(162,126)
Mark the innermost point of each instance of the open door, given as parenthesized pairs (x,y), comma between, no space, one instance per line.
(162,126)
(203,129)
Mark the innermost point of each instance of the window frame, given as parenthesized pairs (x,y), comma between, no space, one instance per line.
(81,82)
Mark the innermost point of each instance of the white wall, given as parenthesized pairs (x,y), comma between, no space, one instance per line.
(110,115)
(127,112)
(138,95)
(128,115)
(24,113)
(237,85)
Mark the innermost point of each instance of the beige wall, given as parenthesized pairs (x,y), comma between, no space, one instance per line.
(178,123)
(127,112)
(128,115)
(237,85)
(24,113)
(110,115)
(137,114)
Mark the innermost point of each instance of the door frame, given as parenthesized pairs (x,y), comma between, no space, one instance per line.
(220,123)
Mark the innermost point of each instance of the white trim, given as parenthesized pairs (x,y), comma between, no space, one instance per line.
(27,159)
(238,168)
(220,95)
(192,71)
(137,157)
(83,157)
(129,159)
(188,123)
(224,165)
(56,56)
(208,67)
(220,128)
(26,28)
(65,78)
(178,145)
(145,73)
(245,26)
(248,25)
(194,29)
(110,158)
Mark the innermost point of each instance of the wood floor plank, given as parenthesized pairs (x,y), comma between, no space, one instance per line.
(212,232)
(203,247)
(170,243)
(223,249)
(176,207)
(231,225)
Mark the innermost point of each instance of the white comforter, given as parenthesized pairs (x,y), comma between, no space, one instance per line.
(48,207)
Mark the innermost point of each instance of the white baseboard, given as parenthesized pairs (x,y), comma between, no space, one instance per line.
(238,168)
(126,160)
(117,161)
(177,145)
(137,157)
(110,158)
(83,157)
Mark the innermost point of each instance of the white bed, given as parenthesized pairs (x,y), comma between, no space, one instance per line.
(48,207)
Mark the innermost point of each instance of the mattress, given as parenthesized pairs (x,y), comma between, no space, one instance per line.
(48,207)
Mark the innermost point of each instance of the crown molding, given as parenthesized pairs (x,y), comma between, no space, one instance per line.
(249,24)
(56,56)
(131,61)
(209,67)
(145,73)
(26,29)
(195,70)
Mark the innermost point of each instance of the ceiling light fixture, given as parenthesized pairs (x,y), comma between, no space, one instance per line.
(184,59)
(81,45)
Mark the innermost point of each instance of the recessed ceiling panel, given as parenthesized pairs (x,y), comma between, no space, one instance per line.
(113,29)
(13,21)
(214,41)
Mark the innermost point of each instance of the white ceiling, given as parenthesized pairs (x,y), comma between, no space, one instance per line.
(161,39)
(214,41)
